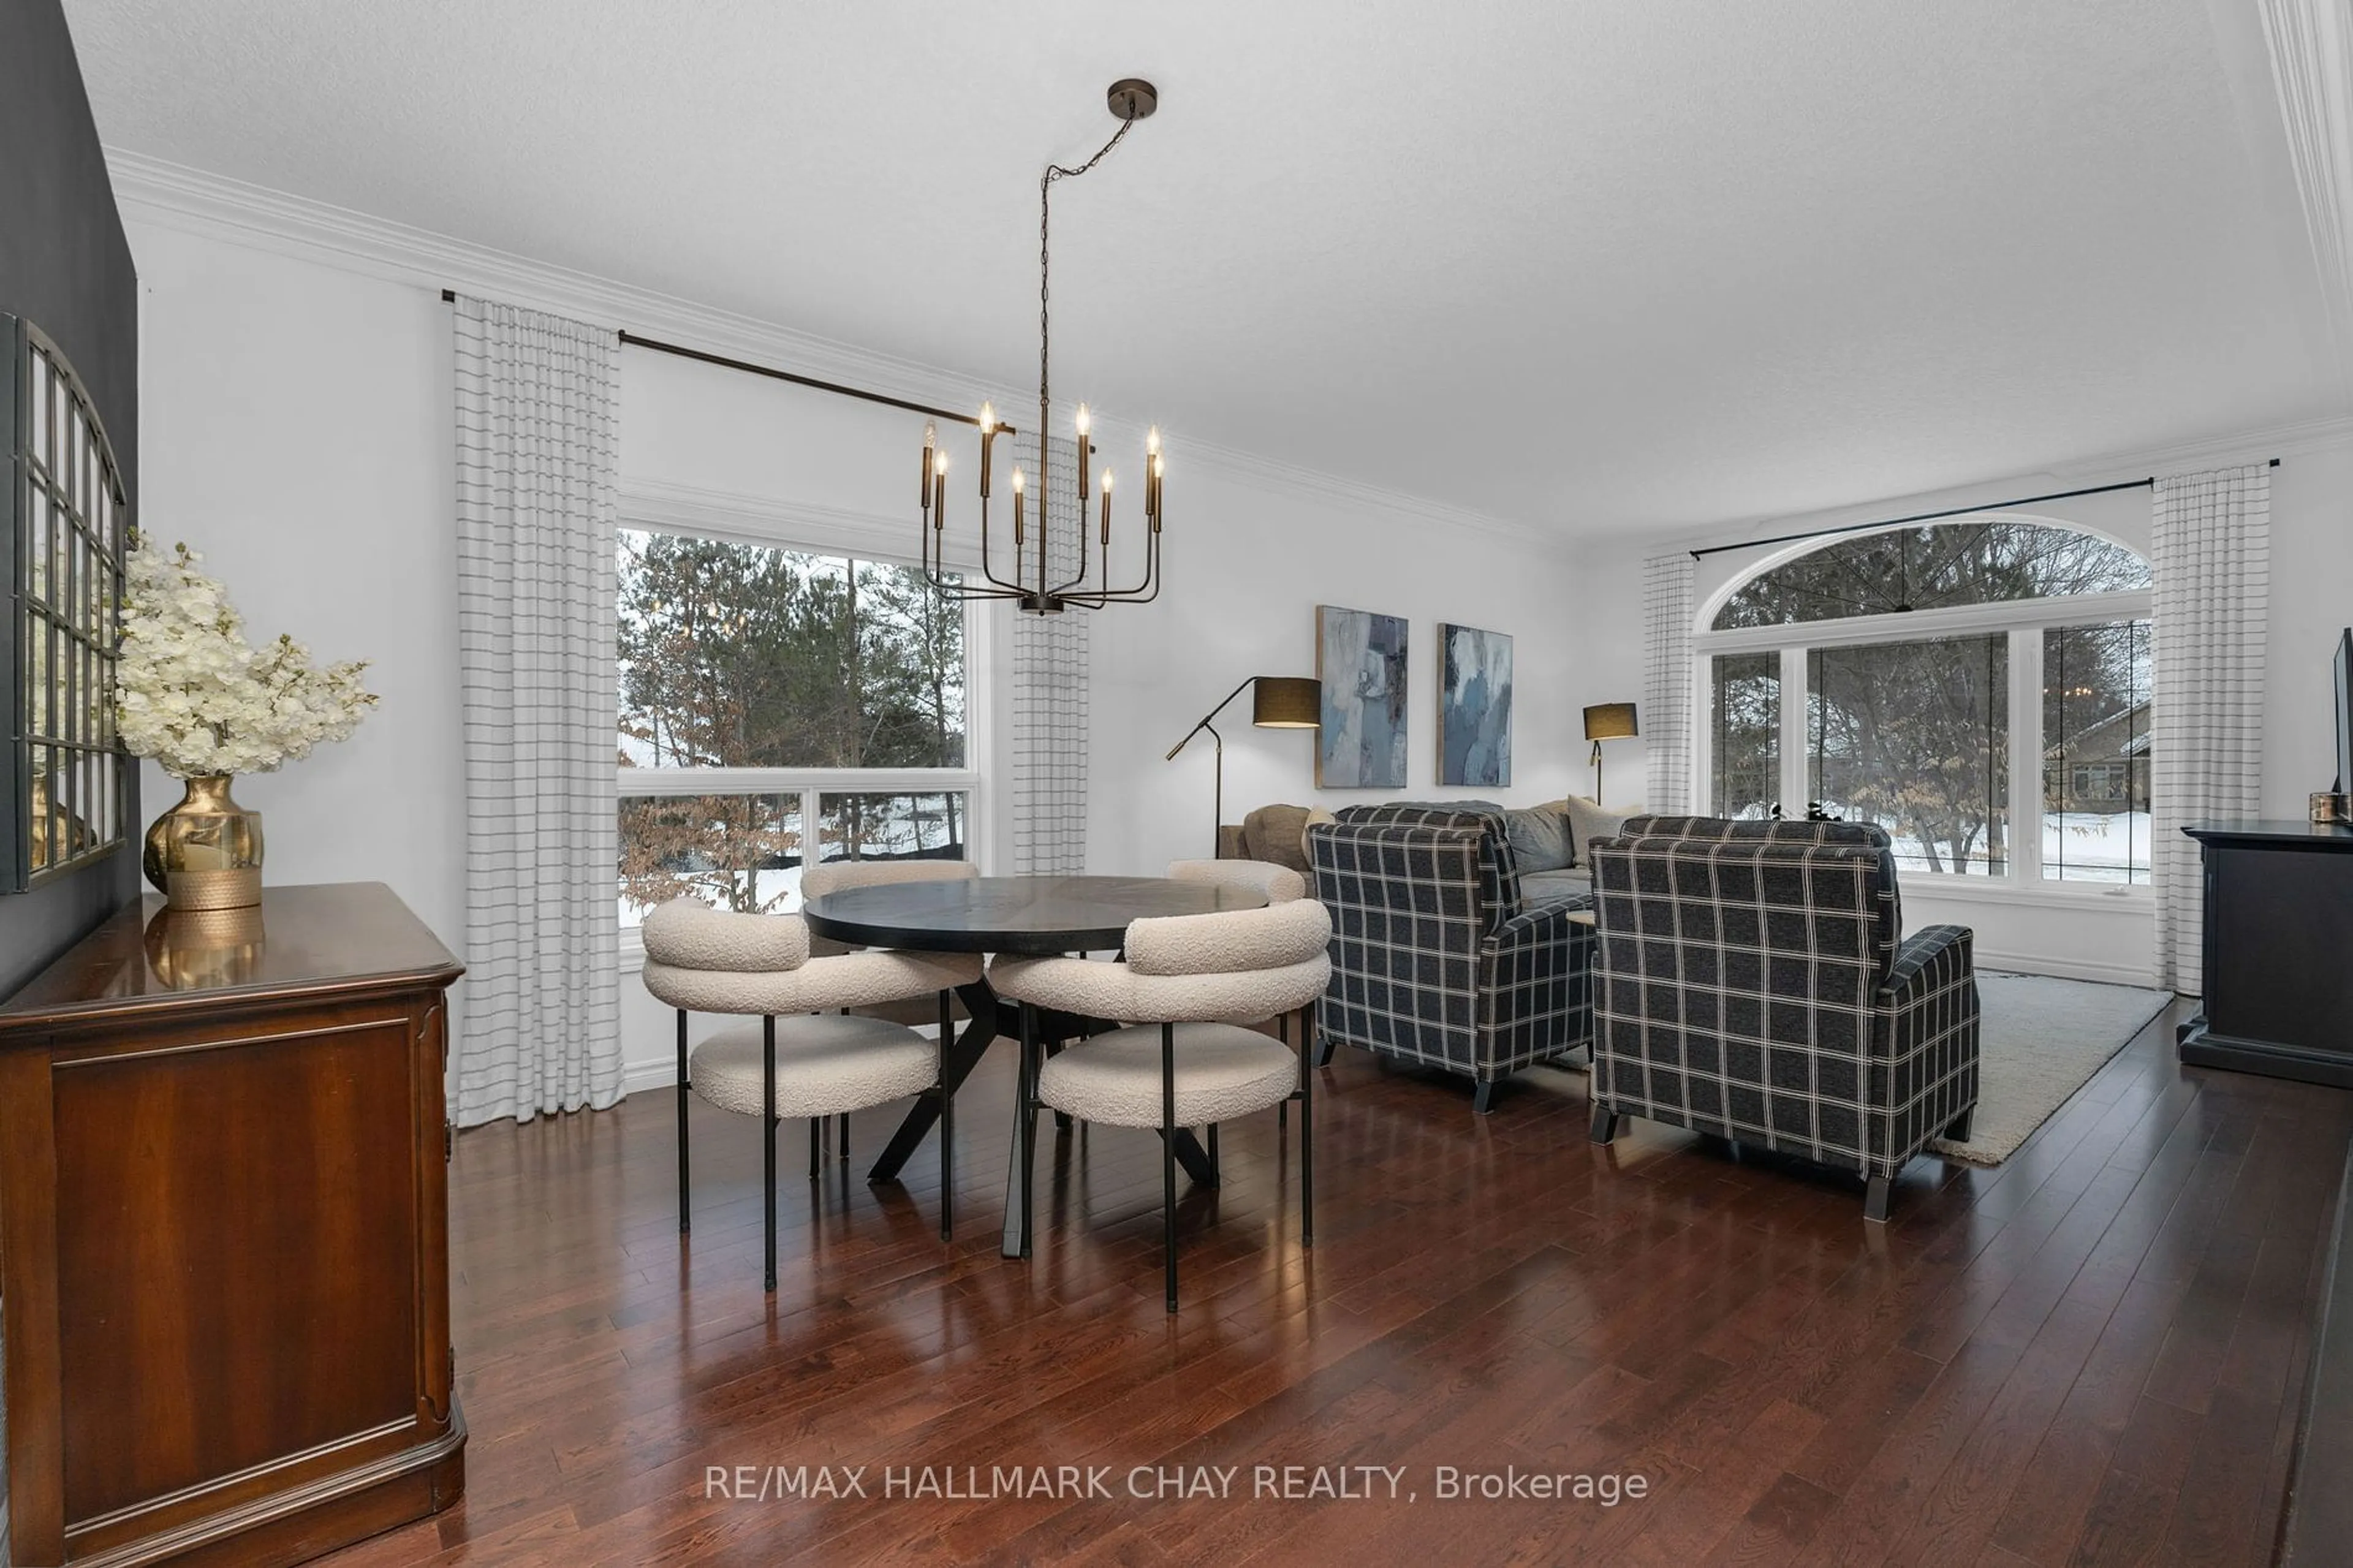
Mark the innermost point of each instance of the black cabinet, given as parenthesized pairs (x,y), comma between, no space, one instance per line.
(2278,951)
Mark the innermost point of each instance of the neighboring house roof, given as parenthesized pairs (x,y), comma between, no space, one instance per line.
(2119,735)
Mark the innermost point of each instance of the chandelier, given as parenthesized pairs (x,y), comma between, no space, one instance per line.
(1032,585)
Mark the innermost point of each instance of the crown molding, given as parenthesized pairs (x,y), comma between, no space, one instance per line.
(2310,43)
(154,191)
(2112,468)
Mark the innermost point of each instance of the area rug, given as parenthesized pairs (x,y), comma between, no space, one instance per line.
(2041,1040)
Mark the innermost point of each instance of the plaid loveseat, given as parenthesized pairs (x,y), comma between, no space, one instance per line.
(1433,959)
(1750,983)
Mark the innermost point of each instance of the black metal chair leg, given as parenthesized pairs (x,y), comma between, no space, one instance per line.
(1306,1156)
(685,1224)
(1217,1172)
(1168,1153)
(815,1153)
(947,1126)
(768,1124)
(844,1151)
(1026,1107)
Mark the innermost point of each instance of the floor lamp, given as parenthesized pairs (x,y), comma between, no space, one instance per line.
(1281,702)
(1606,721)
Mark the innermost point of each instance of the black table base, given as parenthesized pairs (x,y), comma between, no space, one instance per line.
(963,1054)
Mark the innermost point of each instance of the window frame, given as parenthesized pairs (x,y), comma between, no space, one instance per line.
(2024,621)
(747,527)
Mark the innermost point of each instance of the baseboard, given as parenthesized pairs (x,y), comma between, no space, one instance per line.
(2067,969)
(654,1072)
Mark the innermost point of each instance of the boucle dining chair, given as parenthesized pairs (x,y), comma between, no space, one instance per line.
(1280,884)
(805,1057)
(1187,987)
(840,876)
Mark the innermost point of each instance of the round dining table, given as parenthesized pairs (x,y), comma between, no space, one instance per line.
(1028,915)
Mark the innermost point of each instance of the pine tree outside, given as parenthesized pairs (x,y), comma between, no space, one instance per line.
(806,676)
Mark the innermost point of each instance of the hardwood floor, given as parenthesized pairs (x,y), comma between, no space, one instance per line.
(2092,1354)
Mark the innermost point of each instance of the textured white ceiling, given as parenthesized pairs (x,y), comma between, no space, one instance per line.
(1590,267)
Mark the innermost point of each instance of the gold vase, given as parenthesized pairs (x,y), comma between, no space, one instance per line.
(205,852)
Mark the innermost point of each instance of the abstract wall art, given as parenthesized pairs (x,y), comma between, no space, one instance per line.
(1360,658)
(1474,707)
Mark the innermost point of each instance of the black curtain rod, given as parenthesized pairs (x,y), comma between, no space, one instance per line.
(1932,516)
(632,340)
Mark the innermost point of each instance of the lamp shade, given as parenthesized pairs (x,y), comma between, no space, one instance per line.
(1609,721)
(1287,703)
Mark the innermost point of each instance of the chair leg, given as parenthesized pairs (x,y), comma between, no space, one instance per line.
(817,1154)
(1874,1200)
(768,1124)
(1958,1130)
(1483,1097)
(1168,1154)
(1026,1108)
(1283,1107)
(844,1151)
(1306,1155)
(947,1127)
(1217,1172)
(1605,1124)
(685,1224)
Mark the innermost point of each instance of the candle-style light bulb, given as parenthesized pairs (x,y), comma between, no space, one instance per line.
(1017,482)
(1151,442)
(987,416)
(988,433)
(1106,510)
(1085,447)
(1084,419)
(931,440)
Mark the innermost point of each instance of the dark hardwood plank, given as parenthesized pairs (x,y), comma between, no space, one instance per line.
(2092,1352)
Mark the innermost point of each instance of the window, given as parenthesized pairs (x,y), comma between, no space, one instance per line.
(1980,689)
(778,707)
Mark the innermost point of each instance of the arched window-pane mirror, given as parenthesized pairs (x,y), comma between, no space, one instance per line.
(1932,568)
(64,779)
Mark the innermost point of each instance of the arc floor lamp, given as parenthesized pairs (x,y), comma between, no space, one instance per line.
(1281,702)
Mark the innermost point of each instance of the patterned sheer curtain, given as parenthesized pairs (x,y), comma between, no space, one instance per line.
(1666,716)
(1049,697)
(2213,561)
(540,1029)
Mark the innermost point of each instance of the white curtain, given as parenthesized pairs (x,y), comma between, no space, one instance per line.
(2213,561)
(535,597)
(1666,715)
(1049,695)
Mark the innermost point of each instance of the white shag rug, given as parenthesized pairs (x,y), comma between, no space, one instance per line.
(2039,1040)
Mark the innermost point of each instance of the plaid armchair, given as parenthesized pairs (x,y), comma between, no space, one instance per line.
(1750,983)
(1433,960)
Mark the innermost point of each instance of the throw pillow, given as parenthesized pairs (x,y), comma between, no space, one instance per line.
(1587,822)
(1539,836)
(1314,818)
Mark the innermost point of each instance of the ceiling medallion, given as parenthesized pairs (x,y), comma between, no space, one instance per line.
(1031,586)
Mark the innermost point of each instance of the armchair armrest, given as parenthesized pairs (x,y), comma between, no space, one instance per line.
(1929,960)
(1533,927)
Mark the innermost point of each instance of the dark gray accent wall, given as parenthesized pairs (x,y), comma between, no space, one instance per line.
(66,267)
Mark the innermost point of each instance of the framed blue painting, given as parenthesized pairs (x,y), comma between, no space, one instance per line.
(1360,657)
(1474,708)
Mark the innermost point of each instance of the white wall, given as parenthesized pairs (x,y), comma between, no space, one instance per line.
(2312,600)
(298,437)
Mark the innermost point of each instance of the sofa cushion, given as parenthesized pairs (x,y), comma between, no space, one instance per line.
(1273,833)
(1587,822)
(1539,836)
(1553,886)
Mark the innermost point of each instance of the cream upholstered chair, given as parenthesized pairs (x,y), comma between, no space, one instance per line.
(1187,987)
(840,876)
(702,960)
(1280,884)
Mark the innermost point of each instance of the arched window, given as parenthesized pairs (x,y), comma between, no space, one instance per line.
(1979,688)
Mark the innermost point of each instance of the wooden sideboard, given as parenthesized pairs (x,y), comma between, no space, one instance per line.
(2278,951)
(224,1243)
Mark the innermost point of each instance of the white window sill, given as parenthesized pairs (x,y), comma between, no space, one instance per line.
(2120,897)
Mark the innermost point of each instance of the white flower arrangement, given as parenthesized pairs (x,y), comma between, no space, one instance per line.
(191,693)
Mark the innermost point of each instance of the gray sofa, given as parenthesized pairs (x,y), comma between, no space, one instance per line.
(1548,842)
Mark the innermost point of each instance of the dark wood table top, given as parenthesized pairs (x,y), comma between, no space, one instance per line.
(340,938)
(1014,914)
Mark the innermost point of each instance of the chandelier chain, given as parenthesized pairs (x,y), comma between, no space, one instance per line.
(1045,186)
